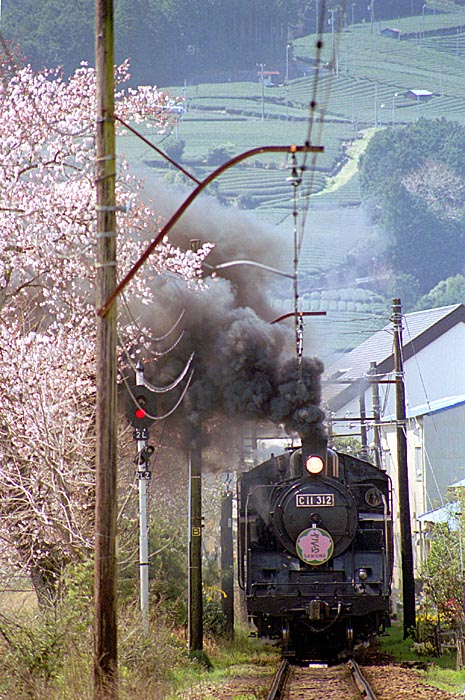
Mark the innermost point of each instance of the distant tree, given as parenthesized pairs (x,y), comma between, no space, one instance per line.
(439,187)
(175,148)
(217,155)
(171,40)
(402,286)
(142,34)
(166,41)
(413,181)
(51,32)
(447,292)
(247,201)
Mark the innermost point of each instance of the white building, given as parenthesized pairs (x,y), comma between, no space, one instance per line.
(434,379)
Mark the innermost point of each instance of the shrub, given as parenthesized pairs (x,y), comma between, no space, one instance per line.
(174,148)
(213,618)
(217,155)
(149,655)
(247,201)
(36,647)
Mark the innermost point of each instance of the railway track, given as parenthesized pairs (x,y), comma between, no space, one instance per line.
(320,682)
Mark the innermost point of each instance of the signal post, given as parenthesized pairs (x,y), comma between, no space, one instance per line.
(140,411)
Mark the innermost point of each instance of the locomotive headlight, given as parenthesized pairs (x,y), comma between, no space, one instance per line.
(362,574)
(314,464)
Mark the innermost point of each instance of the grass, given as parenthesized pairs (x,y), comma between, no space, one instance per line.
(440,672)
(18,601)
(242,658)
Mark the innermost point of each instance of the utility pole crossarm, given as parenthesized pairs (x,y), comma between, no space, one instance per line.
(103,310)
(291,314)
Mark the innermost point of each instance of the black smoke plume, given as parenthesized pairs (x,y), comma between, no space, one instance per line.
(245,365)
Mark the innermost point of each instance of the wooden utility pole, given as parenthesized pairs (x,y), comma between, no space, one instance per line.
(105,632)
(408,580)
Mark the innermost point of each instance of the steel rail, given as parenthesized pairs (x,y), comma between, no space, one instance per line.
(361,682)
(279,681)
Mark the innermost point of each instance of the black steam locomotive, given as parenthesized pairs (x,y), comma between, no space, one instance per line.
(315,550)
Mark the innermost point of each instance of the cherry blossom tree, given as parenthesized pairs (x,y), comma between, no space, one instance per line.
(440,187)
(47,322)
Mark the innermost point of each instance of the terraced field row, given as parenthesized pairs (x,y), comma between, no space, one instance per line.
(363,91)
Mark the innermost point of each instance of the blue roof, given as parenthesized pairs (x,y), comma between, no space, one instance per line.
(433,407)
(419,329)
(446,514)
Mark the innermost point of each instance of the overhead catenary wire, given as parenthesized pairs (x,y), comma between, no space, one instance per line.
(317,110)
(142,331)
(156,353)
(420,374)
(152,387)
(172,410)
(298,171)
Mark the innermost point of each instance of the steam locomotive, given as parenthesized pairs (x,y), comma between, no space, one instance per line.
(315,550)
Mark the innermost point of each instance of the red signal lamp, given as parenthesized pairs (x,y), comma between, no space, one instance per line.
(140,406)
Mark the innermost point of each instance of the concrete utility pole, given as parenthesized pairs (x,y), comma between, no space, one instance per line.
(195,603)
(227,558)
(373,371)
(105,628)
(363,420)
(408,580)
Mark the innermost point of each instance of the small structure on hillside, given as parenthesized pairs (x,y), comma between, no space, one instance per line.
(391,33)
(419,95)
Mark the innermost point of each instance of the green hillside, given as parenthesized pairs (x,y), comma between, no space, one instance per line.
(365,88)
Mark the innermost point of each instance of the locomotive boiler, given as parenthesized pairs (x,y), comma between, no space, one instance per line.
(315,549)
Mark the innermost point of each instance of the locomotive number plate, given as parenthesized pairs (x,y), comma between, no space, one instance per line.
(310,500)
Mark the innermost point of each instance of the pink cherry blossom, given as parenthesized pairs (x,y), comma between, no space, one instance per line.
(47,323)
